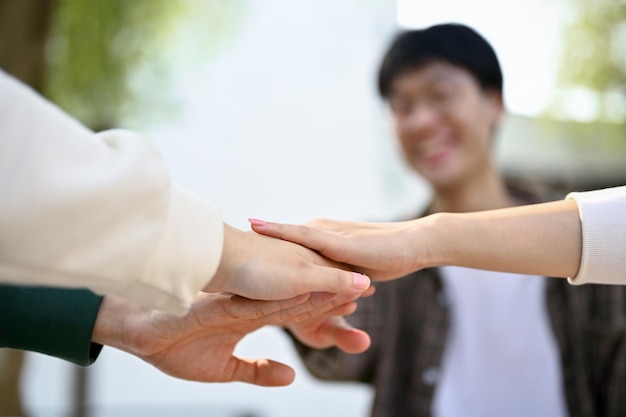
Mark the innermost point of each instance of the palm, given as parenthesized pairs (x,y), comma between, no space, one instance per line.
(210,358)
(200,346)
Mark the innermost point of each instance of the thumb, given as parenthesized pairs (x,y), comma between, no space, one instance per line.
(263,372)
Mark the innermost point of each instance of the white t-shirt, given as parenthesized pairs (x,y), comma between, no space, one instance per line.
(501,358)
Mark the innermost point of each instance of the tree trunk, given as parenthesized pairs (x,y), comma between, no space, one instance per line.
(10,366)
(24,30)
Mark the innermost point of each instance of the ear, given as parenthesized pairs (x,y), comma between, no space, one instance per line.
(496,97)
(496,103)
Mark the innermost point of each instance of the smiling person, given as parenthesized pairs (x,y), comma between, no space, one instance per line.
(450,341)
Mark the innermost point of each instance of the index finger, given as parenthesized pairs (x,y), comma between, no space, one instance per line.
(302,235)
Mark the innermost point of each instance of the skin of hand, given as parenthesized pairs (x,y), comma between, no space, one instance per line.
(264,268)
(199,346)
(322,332)
(537,239)
(329,332)
(382,251)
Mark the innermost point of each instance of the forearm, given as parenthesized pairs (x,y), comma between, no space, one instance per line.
(543,239)
(584,241)
(113,320)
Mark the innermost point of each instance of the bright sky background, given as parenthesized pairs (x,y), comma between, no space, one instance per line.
(524,33)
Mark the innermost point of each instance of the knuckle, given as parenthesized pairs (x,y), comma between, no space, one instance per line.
(341,279)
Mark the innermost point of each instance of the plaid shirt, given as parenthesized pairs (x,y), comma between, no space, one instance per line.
(408,321)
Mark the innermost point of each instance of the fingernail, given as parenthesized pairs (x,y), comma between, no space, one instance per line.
(361,282)
(257,222)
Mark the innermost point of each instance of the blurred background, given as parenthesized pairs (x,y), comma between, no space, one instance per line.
(268,108)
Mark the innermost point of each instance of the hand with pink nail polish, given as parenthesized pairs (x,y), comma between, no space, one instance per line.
(266,268)
(383,251)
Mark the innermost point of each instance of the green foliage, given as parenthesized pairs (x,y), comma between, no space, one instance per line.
(594,55)
(97,48)
(596,45)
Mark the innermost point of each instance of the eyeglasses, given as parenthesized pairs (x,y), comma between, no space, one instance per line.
(439,98)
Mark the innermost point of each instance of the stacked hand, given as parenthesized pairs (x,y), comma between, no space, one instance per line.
(200,345)
(537,239)
(262,268)
(382,251)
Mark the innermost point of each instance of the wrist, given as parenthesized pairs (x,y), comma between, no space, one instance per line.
(112,319)
(233,257)
(436,240)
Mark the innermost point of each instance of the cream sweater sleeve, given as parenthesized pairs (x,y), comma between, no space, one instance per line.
(603,218)
(79,209)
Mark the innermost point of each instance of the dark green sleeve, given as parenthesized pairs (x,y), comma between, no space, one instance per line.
(54,321)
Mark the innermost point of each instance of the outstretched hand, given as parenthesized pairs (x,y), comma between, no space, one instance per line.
(382,251)
(200,345)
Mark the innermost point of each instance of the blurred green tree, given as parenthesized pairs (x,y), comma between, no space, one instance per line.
(584,124)
(594,55)
(93,47)
(87,56)
(108,60)
(24,27)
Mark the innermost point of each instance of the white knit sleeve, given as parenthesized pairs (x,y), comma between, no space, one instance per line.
(603,218)
(79,209)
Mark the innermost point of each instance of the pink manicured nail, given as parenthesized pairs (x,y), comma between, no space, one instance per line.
(361,282)
(257,222)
